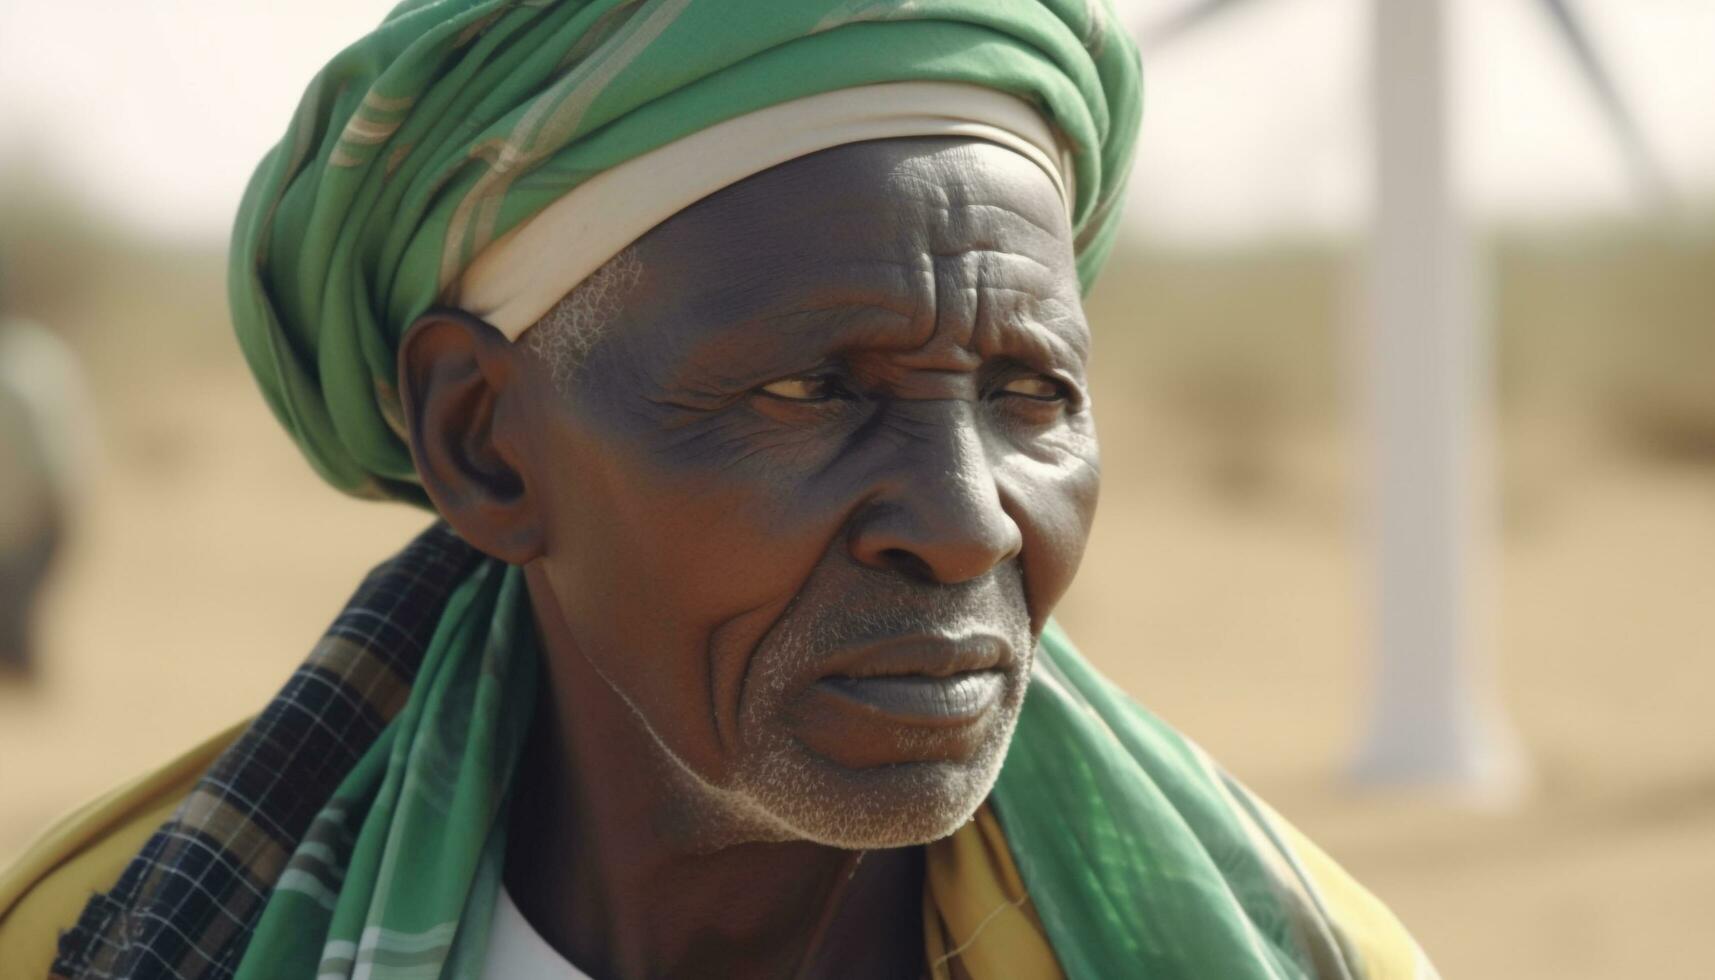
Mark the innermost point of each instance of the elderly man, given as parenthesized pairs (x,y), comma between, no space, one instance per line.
(738,347)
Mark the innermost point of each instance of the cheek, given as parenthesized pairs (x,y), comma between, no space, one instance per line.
(709,542)
(670,571)
(1054,503)
(702,535)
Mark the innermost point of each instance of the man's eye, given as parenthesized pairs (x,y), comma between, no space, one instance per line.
(806,388)
(1036,387)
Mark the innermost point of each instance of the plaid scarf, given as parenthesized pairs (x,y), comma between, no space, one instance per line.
(187,904)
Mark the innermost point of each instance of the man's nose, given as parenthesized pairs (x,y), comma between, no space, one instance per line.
(937,514)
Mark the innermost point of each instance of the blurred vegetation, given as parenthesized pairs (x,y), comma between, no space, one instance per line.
(1609,326)
(114,295)
(1616,323)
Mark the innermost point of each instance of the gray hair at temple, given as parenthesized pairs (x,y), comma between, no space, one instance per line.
(566,334)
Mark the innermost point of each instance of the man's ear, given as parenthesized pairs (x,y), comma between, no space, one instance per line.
(458,378)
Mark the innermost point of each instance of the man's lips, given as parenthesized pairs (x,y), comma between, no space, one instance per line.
(920,699)
(922,681)
(923,655)
(943,691)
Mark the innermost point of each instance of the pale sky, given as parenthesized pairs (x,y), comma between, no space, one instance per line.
(1254,125)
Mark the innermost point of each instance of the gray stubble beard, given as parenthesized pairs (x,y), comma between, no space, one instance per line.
(778,790)
(796,792)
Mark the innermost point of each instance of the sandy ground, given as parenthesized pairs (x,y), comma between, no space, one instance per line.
(211,558)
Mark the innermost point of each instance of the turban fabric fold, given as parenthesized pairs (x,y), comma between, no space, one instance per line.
(455,122)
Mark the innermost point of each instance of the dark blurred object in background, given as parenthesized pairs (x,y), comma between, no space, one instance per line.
(42,419)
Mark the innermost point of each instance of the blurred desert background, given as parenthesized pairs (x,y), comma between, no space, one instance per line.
(1226,584)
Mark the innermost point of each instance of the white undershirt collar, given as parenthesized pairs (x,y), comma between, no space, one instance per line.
(516,951)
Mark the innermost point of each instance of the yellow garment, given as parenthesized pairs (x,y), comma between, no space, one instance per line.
(978,922)
(1380,944)
(973,900)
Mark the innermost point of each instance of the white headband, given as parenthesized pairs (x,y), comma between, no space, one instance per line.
(522,275)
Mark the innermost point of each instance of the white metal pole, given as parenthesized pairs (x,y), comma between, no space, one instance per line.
(1432,713)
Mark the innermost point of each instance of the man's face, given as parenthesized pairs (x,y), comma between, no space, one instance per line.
(812,497)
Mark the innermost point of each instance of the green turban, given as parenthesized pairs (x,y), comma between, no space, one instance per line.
(455,122)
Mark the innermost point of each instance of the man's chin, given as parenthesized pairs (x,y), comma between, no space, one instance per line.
(901,804)
(876,822)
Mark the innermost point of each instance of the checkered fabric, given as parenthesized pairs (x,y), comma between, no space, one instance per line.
(187,904)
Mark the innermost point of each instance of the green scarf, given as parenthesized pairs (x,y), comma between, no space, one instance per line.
(399,871)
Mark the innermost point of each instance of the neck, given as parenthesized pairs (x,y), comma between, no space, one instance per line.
(610,857)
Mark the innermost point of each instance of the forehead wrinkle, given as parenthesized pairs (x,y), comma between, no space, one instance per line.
(960,165)
(1056,229)
(787,277)
(993,242)
(862,261)
(994,192)
(893,310)
(1037,338)
(979,223)
(908,176)
(989,313)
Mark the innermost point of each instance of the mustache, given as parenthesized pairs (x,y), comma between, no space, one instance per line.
(873,604)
